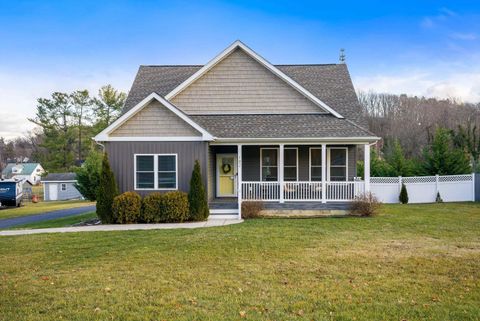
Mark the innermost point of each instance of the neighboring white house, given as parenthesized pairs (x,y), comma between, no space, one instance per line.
(60,187)
(32,172)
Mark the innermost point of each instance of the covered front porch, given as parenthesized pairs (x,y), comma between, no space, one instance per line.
(297,175)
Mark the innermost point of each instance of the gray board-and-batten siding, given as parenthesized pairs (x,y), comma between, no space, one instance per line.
(121,156)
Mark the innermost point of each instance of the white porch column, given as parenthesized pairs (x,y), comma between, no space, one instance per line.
(239,180)
(324,173)
(281,172)
(366,167)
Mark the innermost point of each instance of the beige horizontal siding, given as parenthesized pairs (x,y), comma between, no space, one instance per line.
(155,120)
(239,84)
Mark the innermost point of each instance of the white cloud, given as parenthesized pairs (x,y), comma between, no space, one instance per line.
(464,36)
(462,85)
(19,92)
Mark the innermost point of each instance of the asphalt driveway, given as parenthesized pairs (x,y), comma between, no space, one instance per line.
(10,222)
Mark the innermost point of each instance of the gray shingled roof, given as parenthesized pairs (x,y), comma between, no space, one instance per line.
(279,126)
(330,83)
(60,177)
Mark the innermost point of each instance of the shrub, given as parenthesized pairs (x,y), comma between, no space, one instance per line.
(403,198)
(126,208)
(88,176)
(251,209)
(106,192)
(365,204)
(173,207)
(197,198)
(438,199)
(151,208)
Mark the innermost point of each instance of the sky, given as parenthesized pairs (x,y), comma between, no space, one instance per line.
(429,48)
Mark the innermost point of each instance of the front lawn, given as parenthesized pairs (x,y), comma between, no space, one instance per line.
(414,262)
(41,207)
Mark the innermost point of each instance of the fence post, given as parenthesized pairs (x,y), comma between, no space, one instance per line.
(436,186)
(399,184)
(473,187)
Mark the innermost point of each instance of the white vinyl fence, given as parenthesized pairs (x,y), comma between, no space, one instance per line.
(423,189)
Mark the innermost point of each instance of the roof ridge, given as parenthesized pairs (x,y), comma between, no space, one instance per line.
(276,65)
(267,114)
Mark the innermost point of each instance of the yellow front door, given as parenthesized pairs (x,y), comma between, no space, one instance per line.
(226,175)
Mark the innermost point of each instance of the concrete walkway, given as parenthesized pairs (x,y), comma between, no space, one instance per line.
(123,227)
(10,222)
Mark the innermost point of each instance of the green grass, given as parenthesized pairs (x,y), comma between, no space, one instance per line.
(414,262)
(59,222)
(37,208)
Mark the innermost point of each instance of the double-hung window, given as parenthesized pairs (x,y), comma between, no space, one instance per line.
(290,164)
(338,163)
(315,164)
(156,171)
(269,164)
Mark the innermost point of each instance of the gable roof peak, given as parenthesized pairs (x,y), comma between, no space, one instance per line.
(238,44)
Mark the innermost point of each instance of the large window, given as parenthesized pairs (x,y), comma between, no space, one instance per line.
(156,171)
(269,164)
(290,166)
(315,164)
(338,163)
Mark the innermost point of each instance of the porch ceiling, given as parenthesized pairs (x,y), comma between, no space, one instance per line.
(280,126)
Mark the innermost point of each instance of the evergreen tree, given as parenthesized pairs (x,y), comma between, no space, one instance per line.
(88,176)
(108,106)
(197,197)
(403,198)
(106,192)
(395,157)
(443,158)
(55,117)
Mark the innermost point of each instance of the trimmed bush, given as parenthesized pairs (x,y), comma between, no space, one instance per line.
(251,209)
(403,198)
(197,198)
(106,192)
(127,208)
(365,205)
(151,208)
(173,207)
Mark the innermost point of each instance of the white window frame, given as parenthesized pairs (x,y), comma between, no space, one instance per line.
(155,170)
(289,166)
(261,161)
(61,187)
(310,163)
(330,165)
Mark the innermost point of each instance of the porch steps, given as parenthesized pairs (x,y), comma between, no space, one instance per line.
(225,214)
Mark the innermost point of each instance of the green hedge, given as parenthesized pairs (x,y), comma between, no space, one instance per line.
(170,207)
(126,208)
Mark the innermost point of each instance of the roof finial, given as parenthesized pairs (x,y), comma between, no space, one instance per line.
(342,56)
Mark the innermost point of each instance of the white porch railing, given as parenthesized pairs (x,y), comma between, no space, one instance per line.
(261,191)
(301,191)
(344,191)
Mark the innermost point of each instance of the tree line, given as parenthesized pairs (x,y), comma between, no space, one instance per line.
(66,123)
(422,136)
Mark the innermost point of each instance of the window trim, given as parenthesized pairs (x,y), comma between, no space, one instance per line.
(61,187)
(310,162)
(289,166)
(330,165)
(261,165)
(155,170)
